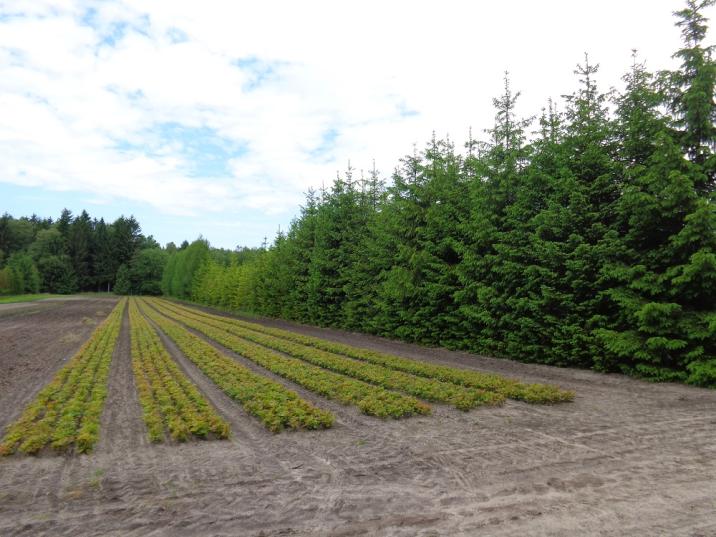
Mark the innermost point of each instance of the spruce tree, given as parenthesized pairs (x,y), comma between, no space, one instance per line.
(359,307)
(486,271)
(79,248)
(665,328)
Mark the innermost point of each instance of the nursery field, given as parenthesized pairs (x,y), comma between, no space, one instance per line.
(143,415)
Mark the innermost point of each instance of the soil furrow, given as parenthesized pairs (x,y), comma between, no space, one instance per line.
(122,429)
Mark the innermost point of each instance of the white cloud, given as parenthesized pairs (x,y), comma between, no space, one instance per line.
(86,87)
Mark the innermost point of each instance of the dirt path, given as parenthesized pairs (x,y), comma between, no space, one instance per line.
(122,426)
(626,458)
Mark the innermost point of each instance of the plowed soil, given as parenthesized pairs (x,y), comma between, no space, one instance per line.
(626,458)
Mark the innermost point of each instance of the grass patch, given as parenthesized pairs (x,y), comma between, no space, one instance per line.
(9,299)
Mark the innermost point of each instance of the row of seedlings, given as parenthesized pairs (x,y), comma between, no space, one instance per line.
(429,389)
(511,388)
(168,399)
(369,398)
(66,413)
(274,405)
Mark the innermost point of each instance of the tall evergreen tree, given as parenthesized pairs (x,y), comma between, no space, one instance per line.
(103,265)
(665,327)
(367,260)
(298,248)
(484,271)
(79,247)
(579,220)
(125,238)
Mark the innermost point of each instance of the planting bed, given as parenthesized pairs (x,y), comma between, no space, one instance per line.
(428,389)
(624,458)
(372,400)
(66,413)
(169,400)
(274,405)
(531,393)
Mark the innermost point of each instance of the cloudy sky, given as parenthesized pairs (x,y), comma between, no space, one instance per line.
(214,117)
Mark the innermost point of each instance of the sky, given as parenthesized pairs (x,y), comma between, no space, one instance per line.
(215,117)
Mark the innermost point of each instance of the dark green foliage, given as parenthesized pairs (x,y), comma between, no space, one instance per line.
(691,89)
(143,274)
(593,244)
(663,281)
(147,268)
(78,253)
(57,274)
(493,231)
(15,234)
(79,249)
(123,283)
(103,265)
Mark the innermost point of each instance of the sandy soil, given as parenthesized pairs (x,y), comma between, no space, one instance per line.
(626,458)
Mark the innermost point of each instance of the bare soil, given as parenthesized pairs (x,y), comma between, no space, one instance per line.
(626,458)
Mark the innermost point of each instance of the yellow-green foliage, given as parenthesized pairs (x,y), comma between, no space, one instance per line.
(67,411)
(276,406)
(233,287)
(513,389)
(169,400)
(430,389)
(370,399)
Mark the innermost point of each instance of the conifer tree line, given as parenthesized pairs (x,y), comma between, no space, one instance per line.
(77,253)
(583,237)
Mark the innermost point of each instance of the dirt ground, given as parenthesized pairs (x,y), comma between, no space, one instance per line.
(626,458)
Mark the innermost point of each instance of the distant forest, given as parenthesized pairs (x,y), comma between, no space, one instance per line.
(584,237)
(78,253)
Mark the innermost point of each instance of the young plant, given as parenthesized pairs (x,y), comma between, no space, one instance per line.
(168,399)
(511,388)
(372,400)
(66,413)
(274,405)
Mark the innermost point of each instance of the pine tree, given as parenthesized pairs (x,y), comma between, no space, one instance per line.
(64,223)
(299,246)
(123,283)
(691,90)
(415,242)
(359,307)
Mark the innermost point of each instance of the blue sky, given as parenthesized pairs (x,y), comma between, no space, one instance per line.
(214,117)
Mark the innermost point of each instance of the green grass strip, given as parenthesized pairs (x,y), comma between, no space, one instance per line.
(11,299)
